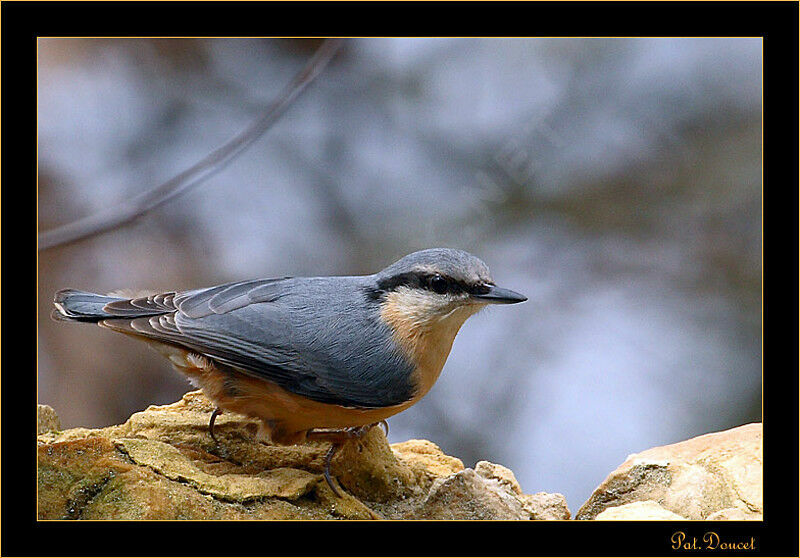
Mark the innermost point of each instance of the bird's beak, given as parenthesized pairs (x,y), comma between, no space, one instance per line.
(496,295)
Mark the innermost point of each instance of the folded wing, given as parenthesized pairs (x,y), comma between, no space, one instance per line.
(264,328)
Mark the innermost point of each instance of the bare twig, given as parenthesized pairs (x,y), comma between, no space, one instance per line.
(135,207)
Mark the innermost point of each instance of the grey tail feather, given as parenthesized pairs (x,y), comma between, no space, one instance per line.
(81,306)
(72,305)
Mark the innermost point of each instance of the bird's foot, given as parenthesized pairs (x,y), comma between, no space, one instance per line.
(337,438)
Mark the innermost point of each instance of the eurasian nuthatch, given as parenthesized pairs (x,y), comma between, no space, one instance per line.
(312,358)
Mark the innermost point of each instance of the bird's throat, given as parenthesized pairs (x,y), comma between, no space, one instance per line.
(424,337)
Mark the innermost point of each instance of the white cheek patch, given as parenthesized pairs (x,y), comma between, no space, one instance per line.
(416,305)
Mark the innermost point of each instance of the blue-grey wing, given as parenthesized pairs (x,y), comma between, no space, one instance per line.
(274,329)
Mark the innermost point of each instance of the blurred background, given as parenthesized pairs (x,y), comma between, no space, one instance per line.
(615,182)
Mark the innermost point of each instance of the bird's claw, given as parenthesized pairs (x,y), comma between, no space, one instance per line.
(327,471)
(214,415)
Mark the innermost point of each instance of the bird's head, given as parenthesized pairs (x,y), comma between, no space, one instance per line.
(439,286)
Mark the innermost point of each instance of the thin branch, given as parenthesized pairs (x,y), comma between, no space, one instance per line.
(218,159)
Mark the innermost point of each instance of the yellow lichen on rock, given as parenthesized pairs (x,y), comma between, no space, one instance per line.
(426,457)
(166,460)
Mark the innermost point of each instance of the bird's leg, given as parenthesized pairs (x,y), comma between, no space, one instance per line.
(327,471)
(337,438)
(214,415)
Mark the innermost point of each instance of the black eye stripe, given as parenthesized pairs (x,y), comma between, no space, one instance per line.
(401,280)
(423,280)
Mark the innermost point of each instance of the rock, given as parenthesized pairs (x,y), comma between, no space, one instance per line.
(46,419)
(166,460)
(467,495)
(543,505)
(700,478)
(500,474)
(427,458)
(370,470)
(490,491)
(639,511)
(162,464)
(538,506)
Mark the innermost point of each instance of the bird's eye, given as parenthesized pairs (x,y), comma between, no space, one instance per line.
(439,284)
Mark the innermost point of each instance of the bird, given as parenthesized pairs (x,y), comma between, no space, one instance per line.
(310,358)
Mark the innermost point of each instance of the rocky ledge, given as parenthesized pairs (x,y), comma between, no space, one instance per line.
(162,464)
